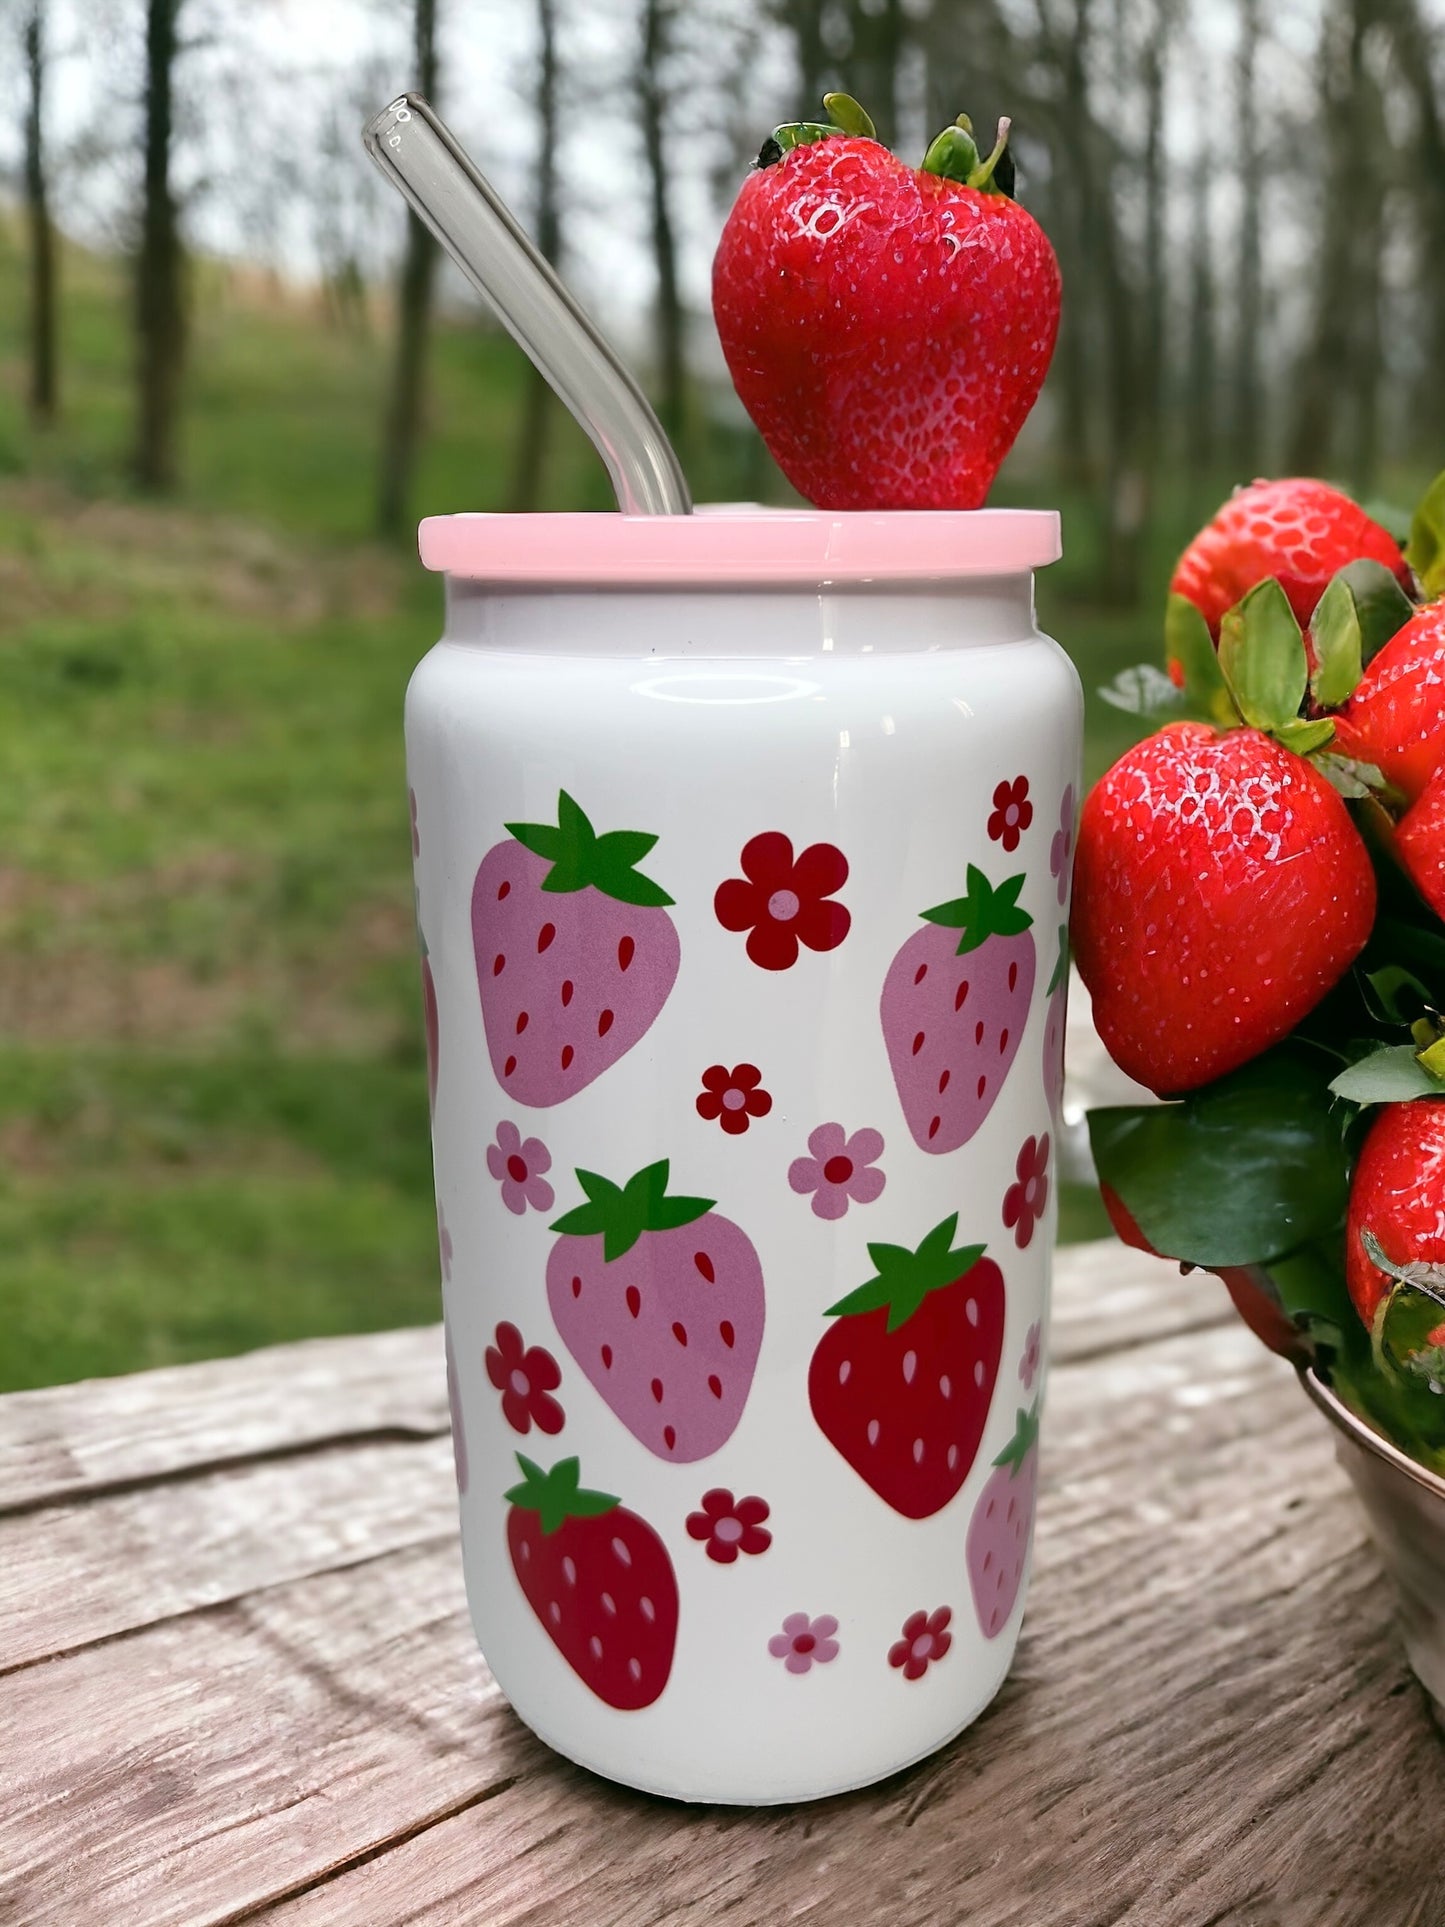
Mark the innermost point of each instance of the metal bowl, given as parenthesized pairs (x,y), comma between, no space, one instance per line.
(1405,1505)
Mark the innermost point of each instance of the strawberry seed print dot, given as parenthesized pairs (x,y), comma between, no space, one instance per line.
(599,1581)
(575,952)
(954,1006)
(660,1301)
(785,902)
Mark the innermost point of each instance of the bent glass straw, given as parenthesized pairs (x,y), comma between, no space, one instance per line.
(421,157)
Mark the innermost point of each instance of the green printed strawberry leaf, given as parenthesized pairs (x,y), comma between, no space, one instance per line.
(983,913)
(1262,657)
(1025,1438)
(903,1279)
(620,1214)
(581,859)
(558,1495)
(1188,642)
(1425,551)
(1267,1138)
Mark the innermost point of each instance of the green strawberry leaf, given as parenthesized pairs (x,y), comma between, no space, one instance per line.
(985,912)
(794,133)
(1302,736)
(1425,551)
(1381,604)
(1188,642)
(1390,1075)
(846,113)
(1145,691)
(1392,994)
(1267,1138)
(558,1495)
(1339,645)
(580,858)
(1262,657)
(952,155)
(905,1278)
(1349,777)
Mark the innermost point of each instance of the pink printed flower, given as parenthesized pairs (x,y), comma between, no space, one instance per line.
(733,1097)
(444,1243)
(1012,812)
(517,1165)
(1024,1202)
(1033,1355)
(925,1639)
(415,832)
(805,1642)
(1061,849)
(783,902)
(841,1170)
(526,1376)
(730,1526)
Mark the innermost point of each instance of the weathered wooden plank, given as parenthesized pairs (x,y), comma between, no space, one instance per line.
(1208,1706)
(72,1574)
(110,1432)
(1107,1298)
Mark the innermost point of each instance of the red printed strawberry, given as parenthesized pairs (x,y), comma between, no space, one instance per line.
(1420,842)
(1397,1197)
(901,1383)
(576,954)
(1298,531)
(1396,717)
(954,1005)
(1220,891)
(1055,1025)
(660,1301)
(1003,1525)
(888,328)
(599,1580)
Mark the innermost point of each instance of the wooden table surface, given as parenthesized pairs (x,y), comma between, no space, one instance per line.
(238,1681)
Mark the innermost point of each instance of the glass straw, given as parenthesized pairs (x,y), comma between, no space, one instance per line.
(421,157)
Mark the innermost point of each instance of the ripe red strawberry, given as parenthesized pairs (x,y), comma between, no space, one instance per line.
(575,953)
(1420,842)
(1002,1527)
(954,1005)
(1397,1195)
(600,1581)
(888,328)
(1396,717)
(1220,891)
(902,1383)
(660,1301)
(1298,531)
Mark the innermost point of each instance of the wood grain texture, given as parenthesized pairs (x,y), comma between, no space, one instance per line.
(106,1433)
(1209,1718)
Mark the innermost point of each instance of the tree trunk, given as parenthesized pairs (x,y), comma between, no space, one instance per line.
(414,301)
(1155,264)
(876,42)
(44,375)
(160,303)
(530,460)
(1413,45)
(1200,363)
(657,23)
(804,20)
(1247,436)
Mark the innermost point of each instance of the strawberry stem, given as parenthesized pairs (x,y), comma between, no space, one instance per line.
(558,1495)
(904,1278)
(580,858)
(621,1213)
(983,913)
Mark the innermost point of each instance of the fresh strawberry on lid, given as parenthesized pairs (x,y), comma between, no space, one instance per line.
(888,328)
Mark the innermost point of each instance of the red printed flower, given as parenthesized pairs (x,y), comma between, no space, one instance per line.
(783,902)
(730,1526)
(733,1097)
(526,1376)
(1012,812)
(925,1639)
(1024,1202)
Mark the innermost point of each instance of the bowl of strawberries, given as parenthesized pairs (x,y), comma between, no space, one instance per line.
(1259,918)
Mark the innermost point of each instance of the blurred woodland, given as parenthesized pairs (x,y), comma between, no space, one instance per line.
(232,373)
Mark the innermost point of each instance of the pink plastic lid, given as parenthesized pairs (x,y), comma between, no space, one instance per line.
(742,544)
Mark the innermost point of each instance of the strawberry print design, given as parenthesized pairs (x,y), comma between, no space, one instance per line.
(599,1580)
(955,1002)
(660,1301)
(1002,1527)
(1012,813)
(783,902)
(1056,1017)
(901,1384)
(576,954)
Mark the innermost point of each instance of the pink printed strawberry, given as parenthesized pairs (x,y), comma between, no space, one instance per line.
(901,1383)
(660,1301)
(1298,531)
(1002,1526)
(1055,1024)
(576,954)
(1395,719)
(599,1580)
(955,1002)
(1220,891)
(888,328)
